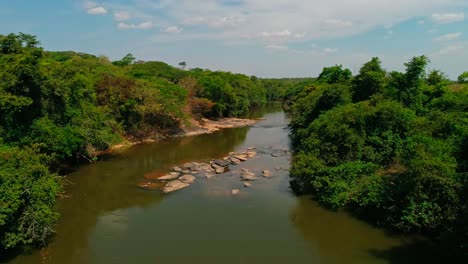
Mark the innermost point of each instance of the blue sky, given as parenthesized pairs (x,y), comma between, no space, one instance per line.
(267,38)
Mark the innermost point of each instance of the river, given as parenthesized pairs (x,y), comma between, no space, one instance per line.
(106,218)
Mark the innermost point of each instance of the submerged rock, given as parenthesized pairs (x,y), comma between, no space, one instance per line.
(235,192)
(170,176)
(150,185)
(266,173)
(248,176)
(247,184)
(187,179)
(209,175)
(174,186)
(251,154)
(154,175)
(278,154)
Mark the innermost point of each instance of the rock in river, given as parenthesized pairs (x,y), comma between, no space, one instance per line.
(248,176)
(241,157)
(234,161)
(219,169)
(177,169)
(251,154)
(170,176)
(187,178)
(247,184)
(209,175)
(174,186)
(266,173)
(222,163)
(235,192)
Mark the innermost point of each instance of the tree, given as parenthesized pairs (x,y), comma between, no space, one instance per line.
(182,65)
(369,81)
(335,74)
(436,77)
(463,78)
(125,61)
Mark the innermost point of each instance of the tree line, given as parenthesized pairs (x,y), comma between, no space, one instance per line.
(58,107)
(390,147)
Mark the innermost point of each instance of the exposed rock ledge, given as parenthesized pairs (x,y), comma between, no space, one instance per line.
(207,126)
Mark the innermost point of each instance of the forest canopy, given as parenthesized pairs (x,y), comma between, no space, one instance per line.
(391,147)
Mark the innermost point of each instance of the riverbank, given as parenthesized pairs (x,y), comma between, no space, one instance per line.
(194,127)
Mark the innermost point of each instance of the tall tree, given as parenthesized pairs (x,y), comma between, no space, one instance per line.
(370,80)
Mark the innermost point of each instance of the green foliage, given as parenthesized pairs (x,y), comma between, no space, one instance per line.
(65,106)
(463,78)
(335,74)
(27,197)
(397,156)
(233,94)
(125,61)
(369,81)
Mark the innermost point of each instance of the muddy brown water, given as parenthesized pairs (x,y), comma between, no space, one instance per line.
(108,219)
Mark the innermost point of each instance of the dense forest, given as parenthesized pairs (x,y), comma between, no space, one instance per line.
(58,107)
(390,147)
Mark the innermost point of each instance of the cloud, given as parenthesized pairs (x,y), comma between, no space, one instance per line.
(337,23)
(122,15)
(421,22)
(447,18)
(93,8)
(276,47)
(330,50)
(99,10)
(143,25)
(450,49)
(215,22)
(449,36)
(279,22)
(173,30)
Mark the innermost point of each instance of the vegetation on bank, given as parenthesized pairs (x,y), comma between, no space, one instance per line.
(391,147)
(68,106)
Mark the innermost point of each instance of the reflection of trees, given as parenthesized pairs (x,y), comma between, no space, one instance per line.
(337,237)
(100,189)
(261,110)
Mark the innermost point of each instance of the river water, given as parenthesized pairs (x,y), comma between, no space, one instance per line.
(106,218)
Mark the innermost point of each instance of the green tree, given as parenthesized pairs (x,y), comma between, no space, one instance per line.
(27,197)
(335,74)
(125,61)
(463,78)
(369,81)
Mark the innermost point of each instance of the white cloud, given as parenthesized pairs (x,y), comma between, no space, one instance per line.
(337,23)
(450,49)
(449,36)
(447,17)
(122,15)
(173,30)
(276,47)
(421,22)
(143,25)
(215,22)
(98,10)
(330,50)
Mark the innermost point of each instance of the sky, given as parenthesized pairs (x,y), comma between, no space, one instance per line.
(266,38)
